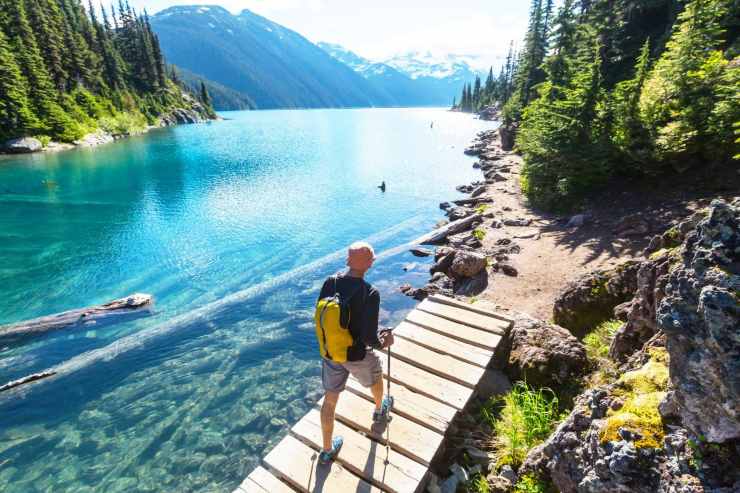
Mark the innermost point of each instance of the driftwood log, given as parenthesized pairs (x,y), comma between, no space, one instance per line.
(135,304)
(26,379)
(473,201)
(452,228)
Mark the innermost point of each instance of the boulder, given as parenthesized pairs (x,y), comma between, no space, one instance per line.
(544,355)
(507,134)
(467,264)
(520,221)
(459,212)
(597,448)
(23,145)
(632,225)
(590,299)
(470,286)
(700,316)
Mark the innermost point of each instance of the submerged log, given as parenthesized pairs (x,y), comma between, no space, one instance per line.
(452,228)
(135,304)
(473,201)
(26,379)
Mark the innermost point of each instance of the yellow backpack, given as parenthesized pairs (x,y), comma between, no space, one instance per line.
(332,317)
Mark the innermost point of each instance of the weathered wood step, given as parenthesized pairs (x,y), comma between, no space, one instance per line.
(467,317)
(412,405)
(455,330)
(433,340)
(298,465)
(473,307)
(425,383)
(368,459)
(440,364)
(260,480)
(410,438)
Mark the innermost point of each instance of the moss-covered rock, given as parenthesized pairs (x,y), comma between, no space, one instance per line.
(590,299)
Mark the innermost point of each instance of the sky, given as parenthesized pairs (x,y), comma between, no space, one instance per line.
(379,29)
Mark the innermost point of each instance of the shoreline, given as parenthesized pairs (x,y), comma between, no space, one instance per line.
(178,116)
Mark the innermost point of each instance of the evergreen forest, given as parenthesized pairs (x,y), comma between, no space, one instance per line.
(608,88)
(66,71)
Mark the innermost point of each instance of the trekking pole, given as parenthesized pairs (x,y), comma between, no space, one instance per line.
(388,423)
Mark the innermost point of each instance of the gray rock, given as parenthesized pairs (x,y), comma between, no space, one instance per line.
(508,472)
(23,145)
(577,221)
(467,264)
(591,298)
(507,134)
(544,355)
(700,316)
(520,221)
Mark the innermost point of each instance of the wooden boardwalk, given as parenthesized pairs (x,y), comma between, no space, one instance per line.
(442,350)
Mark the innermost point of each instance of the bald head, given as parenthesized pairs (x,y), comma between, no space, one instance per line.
(360,256)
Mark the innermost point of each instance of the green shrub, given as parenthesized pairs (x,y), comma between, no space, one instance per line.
(124,123)
(597,341)
(527,417)
(479,234)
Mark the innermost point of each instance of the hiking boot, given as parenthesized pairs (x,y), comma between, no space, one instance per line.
(328,457)
(383,415)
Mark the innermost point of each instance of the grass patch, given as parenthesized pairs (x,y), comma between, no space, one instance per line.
(479,234)
(530,484)
(526,418)
(481,208)
(598,340)
(642,389)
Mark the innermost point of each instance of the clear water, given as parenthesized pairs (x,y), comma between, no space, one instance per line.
(232,226)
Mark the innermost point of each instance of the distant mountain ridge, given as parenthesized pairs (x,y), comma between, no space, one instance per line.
(274,66)
(247,60)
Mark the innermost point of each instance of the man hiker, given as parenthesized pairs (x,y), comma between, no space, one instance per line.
(362,362)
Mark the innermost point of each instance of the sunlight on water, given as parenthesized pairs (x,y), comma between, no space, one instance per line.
(232,226)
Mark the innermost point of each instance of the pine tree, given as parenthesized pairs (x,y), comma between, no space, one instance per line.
(46,20)
(476,94)
(16,115)
(205,98)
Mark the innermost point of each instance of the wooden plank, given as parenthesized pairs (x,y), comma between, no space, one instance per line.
(297,464)
(440,364)
(469,306)
(467,317)
(260,480)
(407,437)
(365,457)
(426,383)
(412,405)
(455,330)
(433,340)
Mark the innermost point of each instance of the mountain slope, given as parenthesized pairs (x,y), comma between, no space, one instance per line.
(274,66)
(223,98)
(397,86)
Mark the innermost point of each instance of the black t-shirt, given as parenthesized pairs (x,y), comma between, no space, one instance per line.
(364,309)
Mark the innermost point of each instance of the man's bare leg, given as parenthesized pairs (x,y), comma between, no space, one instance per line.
(377,391)
(327,418)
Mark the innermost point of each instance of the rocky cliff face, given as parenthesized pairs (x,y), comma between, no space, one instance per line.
(671,420)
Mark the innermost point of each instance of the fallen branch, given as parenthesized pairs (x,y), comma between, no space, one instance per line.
(26,379)
(452,228)
(137,303)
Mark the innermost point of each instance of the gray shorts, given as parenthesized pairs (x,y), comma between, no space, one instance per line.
(367,371)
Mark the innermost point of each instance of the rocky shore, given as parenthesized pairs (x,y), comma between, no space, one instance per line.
(660,411)
(27,145)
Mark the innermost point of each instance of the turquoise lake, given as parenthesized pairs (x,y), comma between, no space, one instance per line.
(232,226)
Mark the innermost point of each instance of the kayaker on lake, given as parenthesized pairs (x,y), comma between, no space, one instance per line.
(347,330)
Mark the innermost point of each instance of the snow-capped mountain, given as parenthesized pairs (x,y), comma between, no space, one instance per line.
(414,77)
(418,65)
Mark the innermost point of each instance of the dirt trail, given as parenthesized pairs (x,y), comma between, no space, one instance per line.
(618,227)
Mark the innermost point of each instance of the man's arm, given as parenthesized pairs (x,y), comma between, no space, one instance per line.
(370,325)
